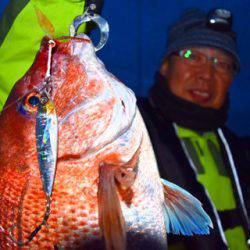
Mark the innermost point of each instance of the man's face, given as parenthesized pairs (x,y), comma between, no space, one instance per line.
(202,84)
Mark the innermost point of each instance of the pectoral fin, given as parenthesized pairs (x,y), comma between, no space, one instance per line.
(115,177)
(183,212)
(111,219)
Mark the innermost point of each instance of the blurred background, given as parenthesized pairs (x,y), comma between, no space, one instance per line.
(138,33)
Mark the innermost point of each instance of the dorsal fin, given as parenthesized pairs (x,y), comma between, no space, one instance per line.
(45,23)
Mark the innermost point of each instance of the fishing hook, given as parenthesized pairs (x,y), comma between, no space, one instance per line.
(37,229)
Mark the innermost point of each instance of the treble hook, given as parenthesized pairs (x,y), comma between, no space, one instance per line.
(37,229)
(88,16)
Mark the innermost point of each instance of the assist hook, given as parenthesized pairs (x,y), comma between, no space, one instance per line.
(37,229)
(88,16)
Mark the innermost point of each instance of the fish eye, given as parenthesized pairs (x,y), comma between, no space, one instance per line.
(33,100)
(29,103)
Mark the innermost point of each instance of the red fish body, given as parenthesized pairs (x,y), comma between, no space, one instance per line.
(107,191)
(99,127)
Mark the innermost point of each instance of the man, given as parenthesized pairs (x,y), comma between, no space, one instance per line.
(185,116)
(23,24)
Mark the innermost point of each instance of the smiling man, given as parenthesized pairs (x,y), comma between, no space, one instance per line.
(186,114)
(200,75)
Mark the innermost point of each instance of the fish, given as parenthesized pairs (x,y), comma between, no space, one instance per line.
(77,168)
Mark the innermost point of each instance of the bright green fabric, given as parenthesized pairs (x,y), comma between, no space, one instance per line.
(215,179)
(236,239)
(22,42)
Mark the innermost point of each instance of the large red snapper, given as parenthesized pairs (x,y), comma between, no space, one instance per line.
(107,190)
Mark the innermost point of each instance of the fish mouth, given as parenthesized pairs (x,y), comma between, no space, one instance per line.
(122,113)
(99,145)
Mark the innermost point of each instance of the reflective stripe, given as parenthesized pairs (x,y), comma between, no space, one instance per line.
(235,175)
(222,234)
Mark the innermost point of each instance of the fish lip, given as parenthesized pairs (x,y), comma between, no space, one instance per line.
(96,149)
(102,144)
(121,119)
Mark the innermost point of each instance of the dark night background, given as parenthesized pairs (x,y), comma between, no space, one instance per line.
(138,32)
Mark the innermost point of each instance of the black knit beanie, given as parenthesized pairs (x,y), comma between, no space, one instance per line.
(198,28)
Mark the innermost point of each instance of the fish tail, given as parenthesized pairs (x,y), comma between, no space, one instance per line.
(183,212)
(111,220)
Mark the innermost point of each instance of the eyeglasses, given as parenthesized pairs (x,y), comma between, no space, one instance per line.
(196,59)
